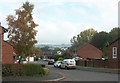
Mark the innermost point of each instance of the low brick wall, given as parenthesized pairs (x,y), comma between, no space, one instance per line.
(114,64)
(93,63)
(80,63)
(98,63)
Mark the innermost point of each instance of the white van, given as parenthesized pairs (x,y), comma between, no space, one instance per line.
(68,63)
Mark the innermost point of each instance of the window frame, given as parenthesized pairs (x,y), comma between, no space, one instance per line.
(114,52)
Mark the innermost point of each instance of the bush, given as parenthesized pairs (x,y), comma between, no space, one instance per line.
(23,70)
(56,56)
(46,71)
(12,70)
(60,59)
(33,69)
(42,65)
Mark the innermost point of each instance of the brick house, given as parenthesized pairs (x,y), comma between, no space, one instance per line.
(7,50)
(89,52)
(114,54)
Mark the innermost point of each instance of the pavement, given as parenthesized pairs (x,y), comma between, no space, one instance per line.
(113,71)
(51,77)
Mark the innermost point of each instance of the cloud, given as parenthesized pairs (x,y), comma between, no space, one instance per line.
(2,18)
(60,20)
(59,32)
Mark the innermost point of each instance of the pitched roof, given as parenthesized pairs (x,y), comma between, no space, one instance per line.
(89,51)
(8,43)
(4,29)
(114,41)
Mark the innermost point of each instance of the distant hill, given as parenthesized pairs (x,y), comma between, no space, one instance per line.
(53,45)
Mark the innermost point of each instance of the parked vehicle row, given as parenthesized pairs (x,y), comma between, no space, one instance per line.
(22,61)
(66,63)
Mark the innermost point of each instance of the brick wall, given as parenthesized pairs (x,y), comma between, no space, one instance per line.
(80,63)
(94,63)
(7,53)
(114,62)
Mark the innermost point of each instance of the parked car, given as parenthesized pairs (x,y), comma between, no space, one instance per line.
(57,63)
(51,62)
(15,61)
(24,61)
(68,63)
(45,59)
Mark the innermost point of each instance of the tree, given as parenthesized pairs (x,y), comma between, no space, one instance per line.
(38,51)
(101,40)
(66,55)
(21,30)
(114,34)
(57,56)
(83,38)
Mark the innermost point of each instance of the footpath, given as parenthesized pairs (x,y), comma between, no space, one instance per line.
(51,77)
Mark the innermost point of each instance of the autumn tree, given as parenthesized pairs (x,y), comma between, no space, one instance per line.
(21,30)
(37,51)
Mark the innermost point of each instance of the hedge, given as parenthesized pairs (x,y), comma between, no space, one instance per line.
(46,71)
(23,70)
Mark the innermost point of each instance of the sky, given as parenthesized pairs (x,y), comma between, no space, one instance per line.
(60,20)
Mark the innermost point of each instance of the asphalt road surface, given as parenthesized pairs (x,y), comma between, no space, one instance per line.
(81,75)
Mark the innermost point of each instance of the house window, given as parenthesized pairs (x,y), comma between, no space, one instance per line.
(114,52)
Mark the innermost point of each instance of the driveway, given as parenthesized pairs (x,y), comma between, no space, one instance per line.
(80,75)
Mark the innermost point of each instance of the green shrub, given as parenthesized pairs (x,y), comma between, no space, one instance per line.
(46,71)
(43,65)
(6,70)
(22,70)
(33,69)
(60,59)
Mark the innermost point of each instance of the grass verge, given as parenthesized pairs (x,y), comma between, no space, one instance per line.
(100,68)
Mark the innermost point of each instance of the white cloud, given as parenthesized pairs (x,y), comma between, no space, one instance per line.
(60,29)
(79,11)
(2,18)
(59,32)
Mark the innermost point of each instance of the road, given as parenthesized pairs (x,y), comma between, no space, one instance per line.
(80,75)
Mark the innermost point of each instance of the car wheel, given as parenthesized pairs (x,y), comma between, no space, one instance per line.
(57,66)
